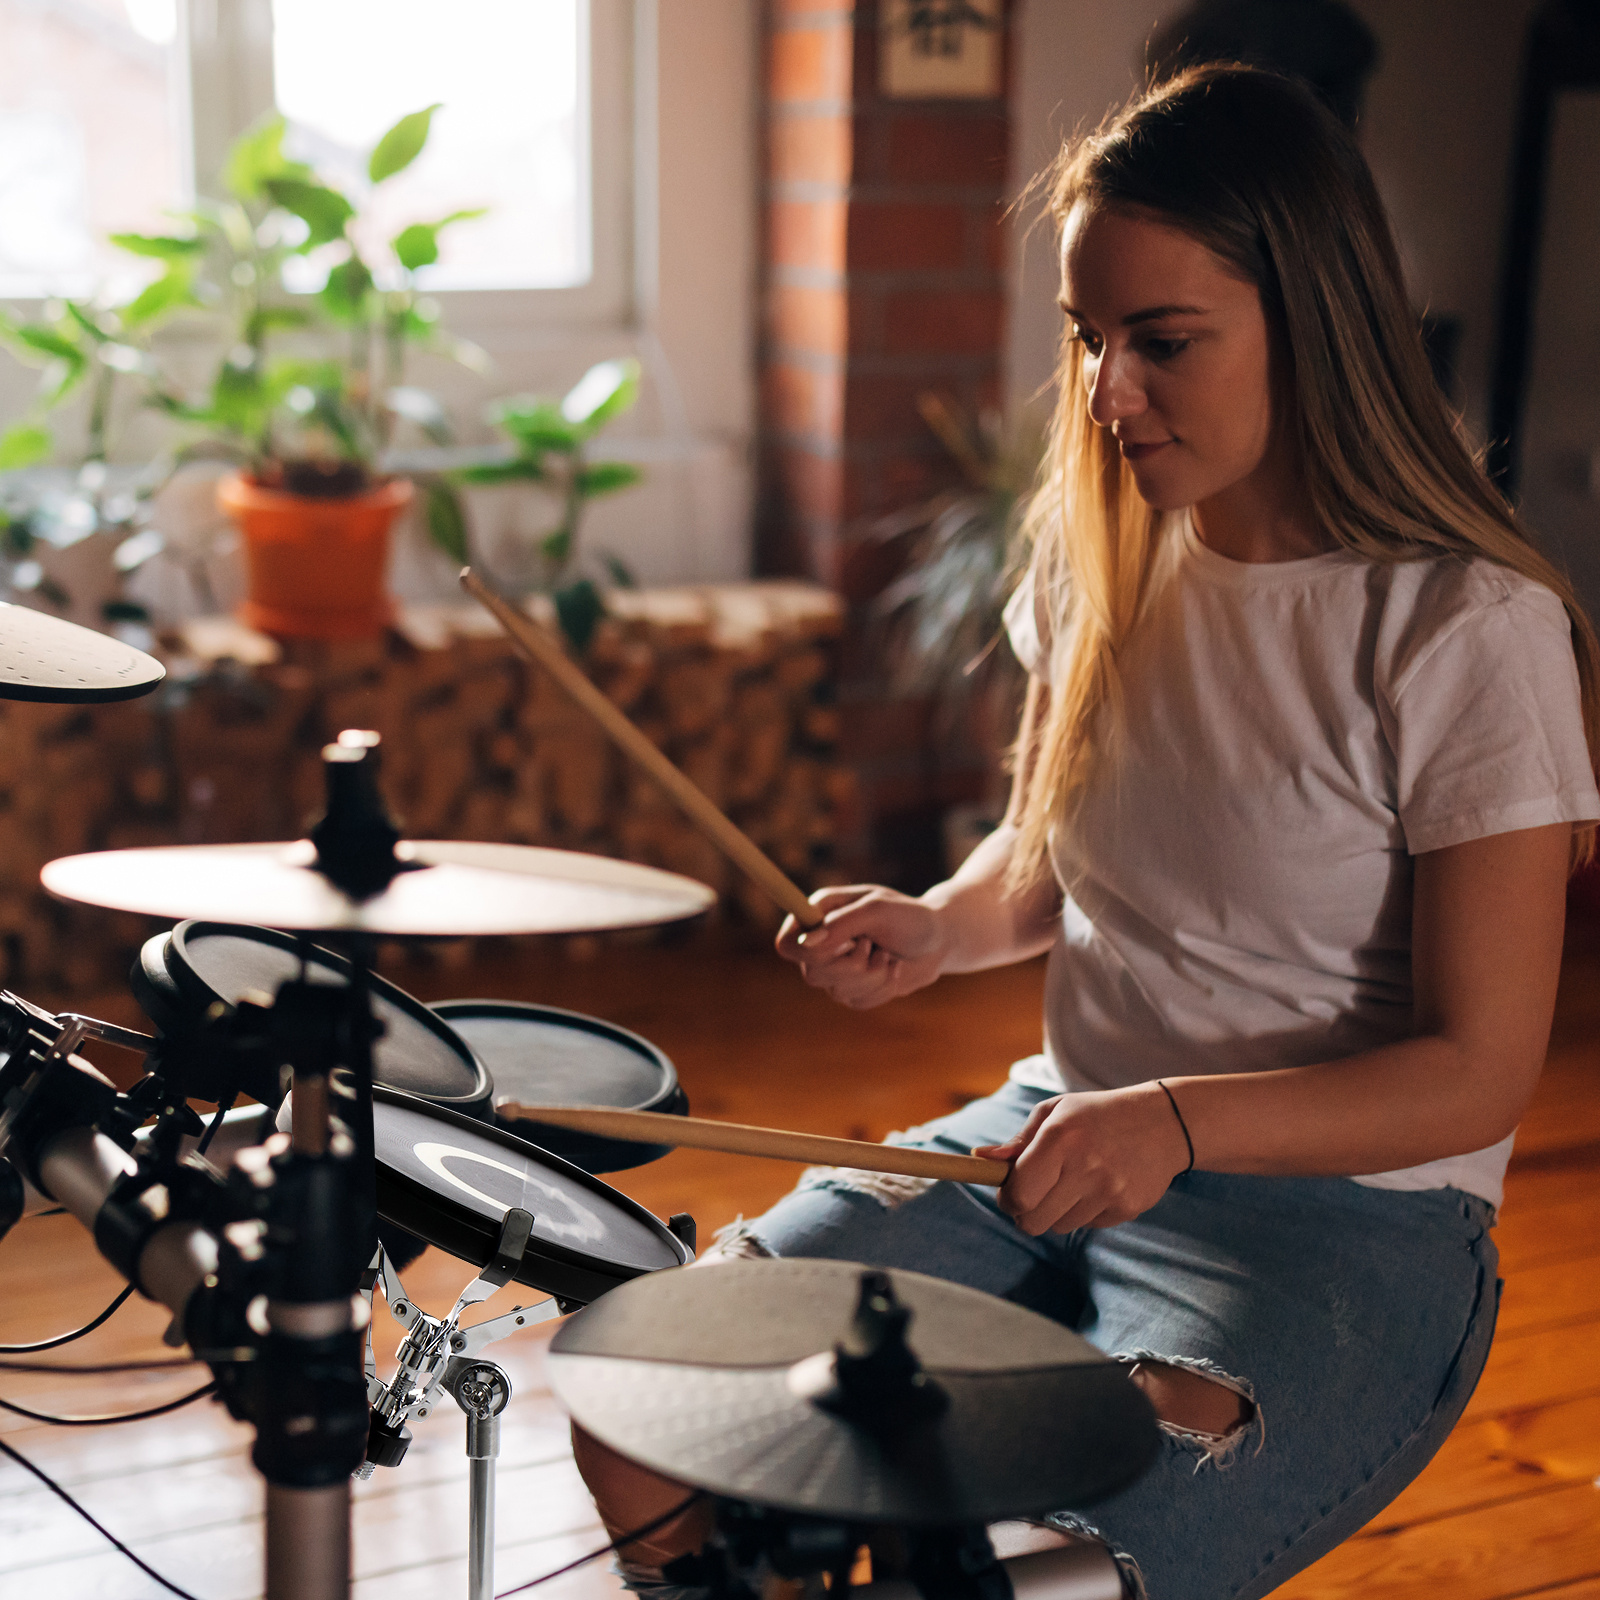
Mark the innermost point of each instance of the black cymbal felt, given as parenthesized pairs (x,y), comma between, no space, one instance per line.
(702,1375)
(45,658)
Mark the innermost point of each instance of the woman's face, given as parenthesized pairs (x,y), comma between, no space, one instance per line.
(1177,355)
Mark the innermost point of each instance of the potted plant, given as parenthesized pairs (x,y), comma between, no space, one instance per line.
(312,386)
(67,537)
(963,551)
(550,442)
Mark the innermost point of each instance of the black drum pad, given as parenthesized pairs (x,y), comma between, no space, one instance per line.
(545,1056)
(451,1180)
(418,1052)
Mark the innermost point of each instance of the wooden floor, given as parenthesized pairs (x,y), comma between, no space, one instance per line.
(1510,1508)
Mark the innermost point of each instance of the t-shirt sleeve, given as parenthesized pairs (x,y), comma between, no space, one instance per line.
(1487,727)
(1022,622)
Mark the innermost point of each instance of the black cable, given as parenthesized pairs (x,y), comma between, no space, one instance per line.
(67,1338)
(606,1549)
(114,1416)
(98,1526)
(99,1367)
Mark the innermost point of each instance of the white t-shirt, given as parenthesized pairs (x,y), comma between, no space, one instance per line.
(1292,734)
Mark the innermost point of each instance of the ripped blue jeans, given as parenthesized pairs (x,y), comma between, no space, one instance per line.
(1357,1320)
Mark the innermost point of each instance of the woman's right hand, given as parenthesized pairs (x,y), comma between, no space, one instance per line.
(872,945)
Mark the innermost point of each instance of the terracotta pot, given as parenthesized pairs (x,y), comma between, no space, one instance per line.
(315,566)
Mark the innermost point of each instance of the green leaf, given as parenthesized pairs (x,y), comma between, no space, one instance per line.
(345,293)
(416,246)
(237,401)
(59,379)
(556,547)
(265,318)
(521,469)
(447,520)
(536,425)
(620,573)
(605,391)
(323,210)
(402,144)
(578,609)
(86,322)
(163,247)
(23,444)
(46,342)
(257,156)
(606,477)
(174,288)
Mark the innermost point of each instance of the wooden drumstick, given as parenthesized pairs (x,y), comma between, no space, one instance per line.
(540,647)
(739,1139)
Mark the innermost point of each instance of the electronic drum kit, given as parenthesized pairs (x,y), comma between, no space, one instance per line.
(821,1408)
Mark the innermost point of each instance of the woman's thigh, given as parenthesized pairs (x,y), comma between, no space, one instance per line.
(943,1229)
(1357,1320)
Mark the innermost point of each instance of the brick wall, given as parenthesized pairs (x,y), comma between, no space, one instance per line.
(884,250)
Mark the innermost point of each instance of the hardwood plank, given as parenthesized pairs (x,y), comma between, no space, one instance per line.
(1530,1235)
(1555,1292)
(1500,1458)
(1520,1545)
(1536,1369)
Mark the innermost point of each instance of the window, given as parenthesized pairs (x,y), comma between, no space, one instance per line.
(112,112)
(510,135)
(92,138)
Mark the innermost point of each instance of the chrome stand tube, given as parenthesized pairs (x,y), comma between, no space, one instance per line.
(482,1390)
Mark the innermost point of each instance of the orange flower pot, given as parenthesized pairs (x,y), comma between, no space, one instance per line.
(315,566)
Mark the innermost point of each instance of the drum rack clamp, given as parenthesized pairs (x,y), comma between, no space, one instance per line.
(438,1353)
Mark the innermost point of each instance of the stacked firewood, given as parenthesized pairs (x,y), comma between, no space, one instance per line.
(732,681)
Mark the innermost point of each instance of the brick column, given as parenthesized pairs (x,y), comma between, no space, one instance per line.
(884,249)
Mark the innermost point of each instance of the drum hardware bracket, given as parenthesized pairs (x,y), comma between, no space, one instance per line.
(434,1346)
(752,1544)
(356,837)
(681,1225)
(483,1391)
(111,1033)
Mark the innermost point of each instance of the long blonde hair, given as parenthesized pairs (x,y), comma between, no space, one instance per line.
(1253,167)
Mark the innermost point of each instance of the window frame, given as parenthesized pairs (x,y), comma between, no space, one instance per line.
(224,83)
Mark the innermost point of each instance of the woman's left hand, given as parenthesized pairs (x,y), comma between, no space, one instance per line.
(1090,1160)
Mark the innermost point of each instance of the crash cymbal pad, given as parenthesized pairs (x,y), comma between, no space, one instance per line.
(445,889)
(824,1388)
(45,658)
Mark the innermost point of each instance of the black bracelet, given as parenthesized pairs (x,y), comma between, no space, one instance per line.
(1181,1123)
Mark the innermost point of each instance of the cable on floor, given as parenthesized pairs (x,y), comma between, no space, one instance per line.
(109,1417)
(606,1549)
(67,1338)
(98,1526)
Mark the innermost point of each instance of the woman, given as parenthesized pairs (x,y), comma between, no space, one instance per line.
(1307,755)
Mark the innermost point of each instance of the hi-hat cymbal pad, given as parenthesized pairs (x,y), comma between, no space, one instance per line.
(711,1377)
(449,889)
(45,658)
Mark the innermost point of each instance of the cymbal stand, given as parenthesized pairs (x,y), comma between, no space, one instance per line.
(438,1353)
(483,1391)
